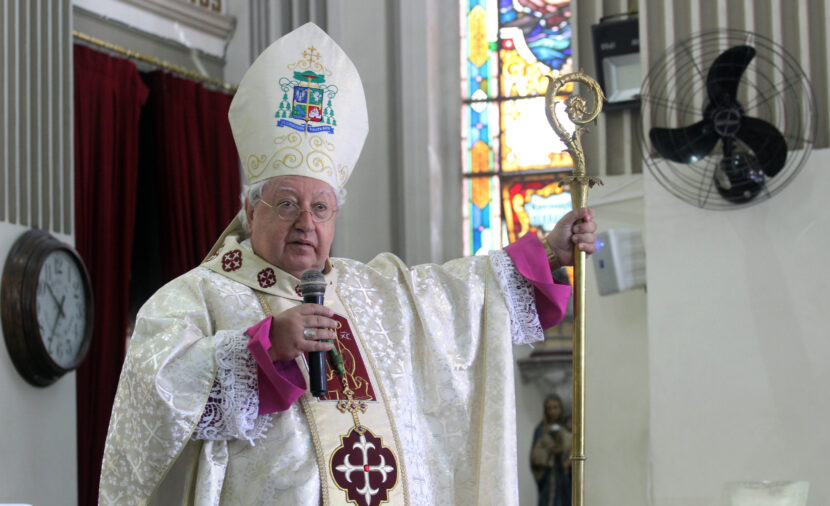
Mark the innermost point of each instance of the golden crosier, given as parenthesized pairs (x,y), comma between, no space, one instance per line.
(575,107)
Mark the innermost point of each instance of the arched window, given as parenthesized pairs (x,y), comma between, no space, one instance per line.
(512,159)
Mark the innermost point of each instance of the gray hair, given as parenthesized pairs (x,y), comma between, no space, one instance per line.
(253,194)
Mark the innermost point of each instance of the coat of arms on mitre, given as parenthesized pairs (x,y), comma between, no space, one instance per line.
(309,109)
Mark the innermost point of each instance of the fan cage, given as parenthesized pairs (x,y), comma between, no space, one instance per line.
(773,88)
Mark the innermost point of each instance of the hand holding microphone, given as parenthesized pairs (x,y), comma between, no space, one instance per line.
(313,288)
(305,328)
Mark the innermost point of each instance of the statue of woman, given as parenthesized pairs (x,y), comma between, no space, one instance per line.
(550,455)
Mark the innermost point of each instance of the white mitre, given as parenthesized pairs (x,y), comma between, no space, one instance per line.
(300,110)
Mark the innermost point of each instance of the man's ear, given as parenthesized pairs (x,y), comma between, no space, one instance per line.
(249,212)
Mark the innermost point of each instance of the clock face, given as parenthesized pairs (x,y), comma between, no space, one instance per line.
(46,307)
(61,307)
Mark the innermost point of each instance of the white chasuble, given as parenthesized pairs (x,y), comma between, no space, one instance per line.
(430,418)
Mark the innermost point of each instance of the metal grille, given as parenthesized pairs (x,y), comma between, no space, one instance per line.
(797,25)
(36,149)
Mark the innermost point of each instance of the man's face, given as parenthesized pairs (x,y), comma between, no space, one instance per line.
(298,245)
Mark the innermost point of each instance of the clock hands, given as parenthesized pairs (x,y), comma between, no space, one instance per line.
(60,304)
(57,316)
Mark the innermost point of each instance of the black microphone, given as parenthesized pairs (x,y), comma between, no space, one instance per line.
(313,288)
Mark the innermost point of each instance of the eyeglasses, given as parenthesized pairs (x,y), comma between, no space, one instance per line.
(289,211)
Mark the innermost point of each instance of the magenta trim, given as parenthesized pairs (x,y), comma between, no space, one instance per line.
(529,257)
(281,383)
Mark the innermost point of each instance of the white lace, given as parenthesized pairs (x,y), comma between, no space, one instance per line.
(233,404)
(521,301)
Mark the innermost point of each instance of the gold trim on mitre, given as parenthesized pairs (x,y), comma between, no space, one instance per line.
(300,110)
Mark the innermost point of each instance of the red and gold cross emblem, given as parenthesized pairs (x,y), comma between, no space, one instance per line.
(266,277)
(364,468)
(232,260)
(361,466)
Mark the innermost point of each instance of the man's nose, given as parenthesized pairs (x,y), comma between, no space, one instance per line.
(304,221)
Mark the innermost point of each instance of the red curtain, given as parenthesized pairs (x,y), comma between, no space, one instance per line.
(197,168)
(108,98)
(195,183)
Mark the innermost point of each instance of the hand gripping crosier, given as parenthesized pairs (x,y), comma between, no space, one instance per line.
(575,106)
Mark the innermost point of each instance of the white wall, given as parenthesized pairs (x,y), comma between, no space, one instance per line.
(364,227)
(617,368)
(738,347)
(38,441)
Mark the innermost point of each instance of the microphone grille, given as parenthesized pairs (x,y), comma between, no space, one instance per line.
(312,282)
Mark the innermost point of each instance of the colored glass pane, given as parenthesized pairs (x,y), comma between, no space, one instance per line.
(539,32)
(481,216)
(533,203)
(479,34)
(521,78)
(527,140)
(479,136)
(507,49)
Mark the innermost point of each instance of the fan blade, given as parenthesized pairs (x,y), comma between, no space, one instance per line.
(685,145)
(725,74)
(766,142)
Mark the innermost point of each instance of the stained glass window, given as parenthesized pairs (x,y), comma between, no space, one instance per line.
(512,159)
(533,203)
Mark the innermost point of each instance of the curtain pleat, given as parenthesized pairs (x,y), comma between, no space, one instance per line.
(108,98)
(197,168)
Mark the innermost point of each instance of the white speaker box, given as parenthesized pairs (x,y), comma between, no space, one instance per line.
(620,261)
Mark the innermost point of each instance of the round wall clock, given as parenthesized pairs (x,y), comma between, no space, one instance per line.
(46,300)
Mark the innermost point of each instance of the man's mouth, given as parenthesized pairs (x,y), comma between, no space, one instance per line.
(301,242)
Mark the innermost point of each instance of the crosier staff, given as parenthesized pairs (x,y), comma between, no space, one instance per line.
(575,107)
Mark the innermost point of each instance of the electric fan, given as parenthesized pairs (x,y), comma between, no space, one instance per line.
(728,119)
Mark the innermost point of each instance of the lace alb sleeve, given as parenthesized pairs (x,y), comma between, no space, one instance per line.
(521,301)
(233,404)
